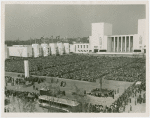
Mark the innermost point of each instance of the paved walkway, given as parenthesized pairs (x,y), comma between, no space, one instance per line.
(109,84)
(138,108)
(83,85)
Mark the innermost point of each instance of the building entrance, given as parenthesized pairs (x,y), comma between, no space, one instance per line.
(95,50)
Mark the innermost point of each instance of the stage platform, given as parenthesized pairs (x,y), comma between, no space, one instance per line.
(117,54)
(120,54)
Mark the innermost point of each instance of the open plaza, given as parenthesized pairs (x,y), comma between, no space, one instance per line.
(105,75)
(107,84)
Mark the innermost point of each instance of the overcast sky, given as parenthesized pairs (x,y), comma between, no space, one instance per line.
(25,21)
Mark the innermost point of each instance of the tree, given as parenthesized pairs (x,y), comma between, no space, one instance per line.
(81,98)
(101,82)
(21,105)
(53,91)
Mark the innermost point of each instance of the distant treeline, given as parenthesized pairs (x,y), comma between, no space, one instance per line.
(46,40)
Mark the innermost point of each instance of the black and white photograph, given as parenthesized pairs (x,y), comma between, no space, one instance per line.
(75,58)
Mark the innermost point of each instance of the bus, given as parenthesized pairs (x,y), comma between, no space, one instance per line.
(58,104)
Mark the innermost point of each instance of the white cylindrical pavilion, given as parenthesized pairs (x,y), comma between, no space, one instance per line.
(60,48)
(36,50)
(53,48)
(66,46)
(45,49)
(40,50)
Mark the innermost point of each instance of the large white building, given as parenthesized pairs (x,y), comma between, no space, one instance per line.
(98,39)
(102,39)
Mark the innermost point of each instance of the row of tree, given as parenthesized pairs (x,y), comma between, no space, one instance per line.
(46,40)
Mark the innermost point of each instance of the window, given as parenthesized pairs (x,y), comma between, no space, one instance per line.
(81,46)
(87,46)
(78,46)
(95,46)
(84,46)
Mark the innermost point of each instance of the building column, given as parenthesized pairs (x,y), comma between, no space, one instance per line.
(114,44)
(125,43)
(121,44)
(117,44)
(129,44)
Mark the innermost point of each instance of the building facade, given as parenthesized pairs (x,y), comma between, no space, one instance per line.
(81,48)
(66,48)
(45,49)
(60,48)
(36,50)
(20,51)
(102,39)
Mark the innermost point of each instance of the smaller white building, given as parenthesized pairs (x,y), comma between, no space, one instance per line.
(72,48)
(81,48)
(36,50)
(45,49)
(53,48)
(20,51)
(66,48)
(6,52)
(60,48)
(40,50)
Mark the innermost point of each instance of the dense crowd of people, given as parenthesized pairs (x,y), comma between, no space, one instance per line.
(102,93)
(21,80)
(21,94)
(82,67)
(132,72)
(35,64)
(14,81)
(121,69)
